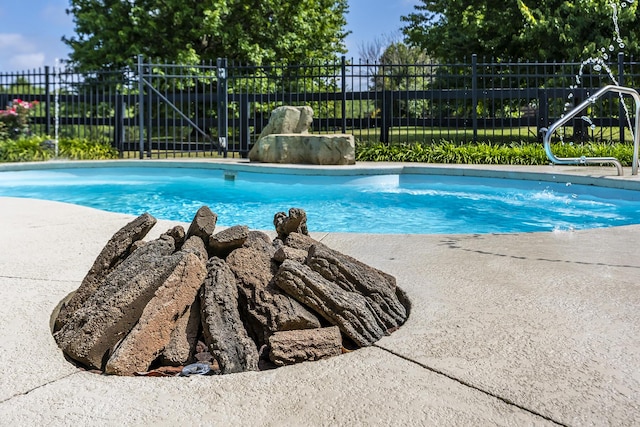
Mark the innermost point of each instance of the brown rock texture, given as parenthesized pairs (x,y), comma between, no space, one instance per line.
(286,252)
(260,241)
(152,332)
(350,311)
(268,308)
(253,304)
(223,328)
(182,344)
(354,276)
(325,149)
(295,222)
(196,246)
(289,347)
(203,224)
(93,331)
(300,241)
(116,250)
(222,243)
(178,235)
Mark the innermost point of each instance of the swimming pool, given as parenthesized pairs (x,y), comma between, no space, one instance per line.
(390,203)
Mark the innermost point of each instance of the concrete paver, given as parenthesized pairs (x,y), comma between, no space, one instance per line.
(548,321)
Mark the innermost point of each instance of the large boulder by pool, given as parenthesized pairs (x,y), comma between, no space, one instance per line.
(288,119)
(286,140)
(227,302)
(338,149)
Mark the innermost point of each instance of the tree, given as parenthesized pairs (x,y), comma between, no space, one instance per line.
(110,33)
(373,50)
(394,66)
(545,30)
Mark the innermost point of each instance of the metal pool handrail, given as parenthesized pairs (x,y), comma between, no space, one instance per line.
(571,114)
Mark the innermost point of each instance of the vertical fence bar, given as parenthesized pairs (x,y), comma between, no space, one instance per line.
(223,112)
(47,100)
(118,128)
(343,78)
(149,107)
(169,142)
(386,116)
(474,96)
(244,125)
(141,106)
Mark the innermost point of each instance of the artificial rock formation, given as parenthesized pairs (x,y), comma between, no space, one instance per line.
(267,308)
(286,140)
(223,327)
(151,334)
(289,347)
(233,301)
(295,222)
(347,310)
(351,275)
(94,329)
(288,119)
(333,149)
(203,224)
(116,249)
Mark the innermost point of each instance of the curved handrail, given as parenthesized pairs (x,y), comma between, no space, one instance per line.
(571,114)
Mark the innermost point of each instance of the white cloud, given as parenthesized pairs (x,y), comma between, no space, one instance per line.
(14,42)
(17,52)
(27,61)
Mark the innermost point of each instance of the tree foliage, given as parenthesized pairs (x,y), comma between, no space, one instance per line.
(403,68)
(110,33)
(545,30)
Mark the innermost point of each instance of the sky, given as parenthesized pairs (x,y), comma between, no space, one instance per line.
(31,30)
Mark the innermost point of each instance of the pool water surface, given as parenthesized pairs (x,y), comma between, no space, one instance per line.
(391,204)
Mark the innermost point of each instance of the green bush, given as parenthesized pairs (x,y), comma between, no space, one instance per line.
(82,149)
(35,148)
(4,131)
(486,153)
(24,149)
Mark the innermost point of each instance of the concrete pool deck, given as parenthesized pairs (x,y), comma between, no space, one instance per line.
(505,329)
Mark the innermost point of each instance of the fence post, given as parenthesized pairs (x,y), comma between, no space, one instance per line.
(474,95)
(343,78)
(244,125)
(141,106)
(621,111)
(543,111)
(149,116)
(47,98)
(386,115)
(223,97)
(118,129)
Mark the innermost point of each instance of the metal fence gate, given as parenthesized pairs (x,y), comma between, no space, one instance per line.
(182,109)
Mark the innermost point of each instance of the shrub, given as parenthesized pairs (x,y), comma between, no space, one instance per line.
(83,149)
(486,153)
(31,149)
(24,149)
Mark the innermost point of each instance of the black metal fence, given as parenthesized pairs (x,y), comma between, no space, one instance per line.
(167,110)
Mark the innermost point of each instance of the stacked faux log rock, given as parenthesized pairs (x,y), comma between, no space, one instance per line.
(234,299)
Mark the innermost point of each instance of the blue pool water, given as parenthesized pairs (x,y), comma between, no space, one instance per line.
(362,204)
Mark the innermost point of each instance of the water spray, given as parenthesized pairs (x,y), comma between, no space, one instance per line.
(598,64)
(56,110)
